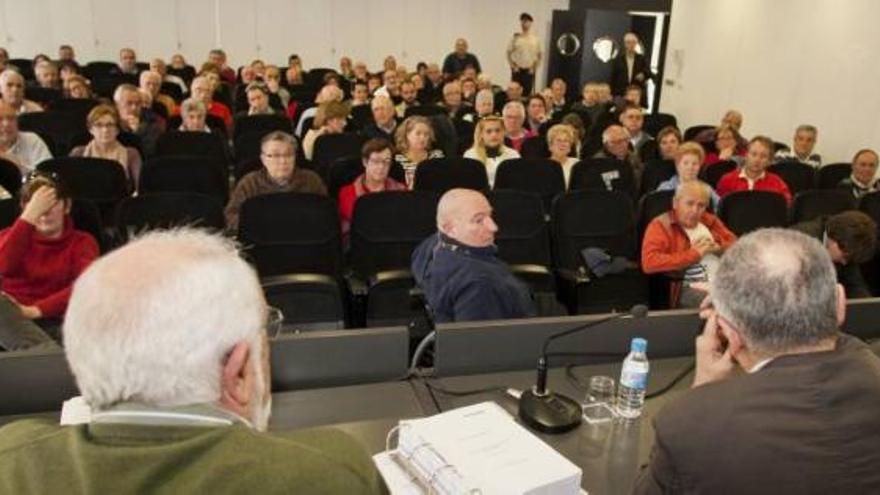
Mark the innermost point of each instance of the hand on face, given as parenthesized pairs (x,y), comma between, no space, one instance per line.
(40,203)
(714,359)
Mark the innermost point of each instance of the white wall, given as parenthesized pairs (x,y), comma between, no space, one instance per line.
(320,31)
(782,63)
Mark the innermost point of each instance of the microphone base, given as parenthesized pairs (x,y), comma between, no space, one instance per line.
(549,413)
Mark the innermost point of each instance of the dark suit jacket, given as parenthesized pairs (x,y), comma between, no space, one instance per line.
(807,423)
(619,80)
(848,275)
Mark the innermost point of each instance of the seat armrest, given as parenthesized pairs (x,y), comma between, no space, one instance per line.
(530,269)
(572,276)
(297,278)
(387,276)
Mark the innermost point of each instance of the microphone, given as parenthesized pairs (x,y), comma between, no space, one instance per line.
(547,411)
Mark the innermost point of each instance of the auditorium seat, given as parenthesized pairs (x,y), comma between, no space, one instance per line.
(540,176)
(330,147)
(711,174)
(296,236)
(263,123)
(604,220)
(343,171)
(60,127)
(10,176)
(870,205)
(605,174)
(205,144)
(99,68)
(797,176)
(745,211)
(829,176)
(25,67)
(9,211)
(213,122)
(655,122)
(535,147)
(96,179)
(651,206)
(105,86)
(164,210)
(442,174)
(77,108)
(43,96)
(424,110)
(691,132)
(173,90)
(186,173)
(87,217)
(361,116)
(808,205)
(656,171)
(385,229)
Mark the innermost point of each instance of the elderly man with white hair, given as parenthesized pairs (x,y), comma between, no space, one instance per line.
(514,115)
(25,149)
(46,74)
(12,92)
(151,82)
(458,268)
(384,119)
(178,387)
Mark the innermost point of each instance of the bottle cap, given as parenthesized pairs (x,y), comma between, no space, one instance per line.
(639,345)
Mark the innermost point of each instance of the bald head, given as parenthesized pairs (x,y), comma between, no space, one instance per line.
(466,216)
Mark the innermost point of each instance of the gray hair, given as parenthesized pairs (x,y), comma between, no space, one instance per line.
(693,184)
(10,71)
(611,129)
(153,321)
(280,136)
(485,95)
(193,105)
(807,128)
(778,288)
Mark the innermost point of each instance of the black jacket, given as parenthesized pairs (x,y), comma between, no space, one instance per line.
(848,275)
(463,283)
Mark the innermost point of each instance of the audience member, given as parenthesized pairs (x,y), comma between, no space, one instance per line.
(12,92)
(688,159)
(104,126)
(326,94)
(203,89)
(433,90)
(489,148)
(77,87)
(360,95)
(799,417)
(524,54)
(390,86)
(218,58)
(468,90)
(484,103)
(754,176)
(330,119)
(643,145)
(151,82)
(279,174)
(536,111)
(802,147)
(258,99)
(514,115)
(456,62)
(25,149)
(458,270)
(134,118)
(630,67)
(127,62)
(192,116)
(686,243)
(41,255)
(514,92)
(384,119)
(851,239)
(561,142)
(376,159)
(732,119)
(557,102)
(158,66)
(590,104)
(863,179)
(272,77)
(46,74)
(185,390)
(668,141)
(616,144)
(726,147)
(408,98)
(456,108)
(66,54)
(415,143)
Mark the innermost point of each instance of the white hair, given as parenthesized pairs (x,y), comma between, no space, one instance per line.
(485,95)
(9,72)
(153,321)
(514,106)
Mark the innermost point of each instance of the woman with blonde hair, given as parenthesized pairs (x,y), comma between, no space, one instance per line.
(561,139)
(415,141)
(103,124)
(688,161)
(330,118)
(489,148)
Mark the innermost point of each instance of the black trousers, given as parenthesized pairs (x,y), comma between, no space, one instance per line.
(17,332)
(525,78)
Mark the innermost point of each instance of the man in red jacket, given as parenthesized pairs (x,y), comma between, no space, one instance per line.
(41,255)
(686,243)
(753,175)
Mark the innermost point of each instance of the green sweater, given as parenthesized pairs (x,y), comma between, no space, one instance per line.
(38,456)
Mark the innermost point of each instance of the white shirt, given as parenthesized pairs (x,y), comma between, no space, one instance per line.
(703,270)
(524,50)
(492,163)
(28,151)
(742,175)
(566,169)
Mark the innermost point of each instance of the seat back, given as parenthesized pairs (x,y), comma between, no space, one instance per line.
(9,211)
(691,132)
(10,177)
(745,211)
(808,205)
(291,233)
(656,172)
(60,127)
(593,218)
(164,210)
(442,174)
(331,147)
(342,172)
(34,381)
(361,116)
(86,217)
(78,108)
(655,122)
(540,176)
(99,69)
(205,144)
(523,236)
(651,206)
(797,176)
(185,173)
(606,174)
(829,176)
(387,226)
(535,147)
(43,96)
(263,123)
(711,174)
(25,67)
(96,179)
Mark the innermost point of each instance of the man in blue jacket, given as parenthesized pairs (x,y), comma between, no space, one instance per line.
(458,270)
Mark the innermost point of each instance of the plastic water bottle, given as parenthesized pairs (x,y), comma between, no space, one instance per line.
(633,380)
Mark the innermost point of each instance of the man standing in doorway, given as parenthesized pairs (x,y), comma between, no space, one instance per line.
(524,54)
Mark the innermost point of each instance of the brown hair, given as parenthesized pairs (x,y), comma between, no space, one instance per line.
(855,233)
(39,179)
(764,140)
(407,126)
(375,145)
(670,129)
(100,112)
(329,110)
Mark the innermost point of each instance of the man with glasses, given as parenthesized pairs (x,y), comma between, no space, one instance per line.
(782,401)
(278,174)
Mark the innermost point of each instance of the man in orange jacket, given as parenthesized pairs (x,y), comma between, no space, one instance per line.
(686,243)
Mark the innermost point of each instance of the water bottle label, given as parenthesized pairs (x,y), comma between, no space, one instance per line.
(634,379)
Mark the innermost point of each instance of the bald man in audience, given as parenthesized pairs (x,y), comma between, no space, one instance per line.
(458,268)
(782,401)
(25,149)
(686,243)
(184,398)
(12,91)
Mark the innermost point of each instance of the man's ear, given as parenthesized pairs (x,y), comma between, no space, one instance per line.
(735,342)
(841,305)
(237,375)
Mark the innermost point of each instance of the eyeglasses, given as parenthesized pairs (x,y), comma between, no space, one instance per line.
(284,156)
(373,161)
(104,126)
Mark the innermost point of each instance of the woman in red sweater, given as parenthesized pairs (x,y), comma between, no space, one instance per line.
(376,156)
(41,254)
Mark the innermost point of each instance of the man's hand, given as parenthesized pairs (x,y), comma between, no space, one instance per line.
(132,121)
(41,202)
(705,245)
(714,361)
